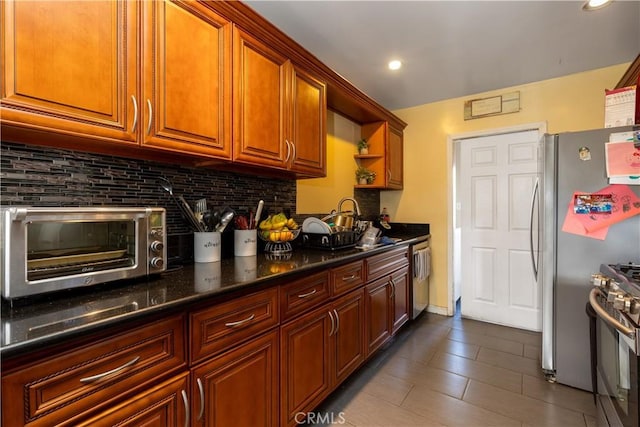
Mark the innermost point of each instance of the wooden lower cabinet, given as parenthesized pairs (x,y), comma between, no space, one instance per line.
(378,326)
(165,405)
(348,339)
(238,388)
(400,298)
(304,364)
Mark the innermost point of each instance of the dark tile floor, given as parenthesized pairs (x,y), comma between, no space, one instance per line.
(456,372)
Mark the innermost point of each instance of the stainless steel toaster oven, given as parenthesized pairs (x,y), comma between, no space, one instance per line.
(50,249)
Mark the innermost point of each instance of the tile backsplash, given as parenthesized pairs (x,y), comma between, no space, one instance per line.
(37,176)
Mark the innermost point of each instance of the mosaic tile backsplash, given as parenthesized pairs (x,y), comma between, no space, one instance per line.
(37,176)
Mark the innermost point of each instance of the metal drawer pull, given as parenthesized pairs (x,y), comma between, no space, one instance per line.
(308,294)
(187,415)
(135,113)
(333,324)
(201,389)
(239,322)
(353,276)
(337,321)
(113,371)
(393,287)
(150,116)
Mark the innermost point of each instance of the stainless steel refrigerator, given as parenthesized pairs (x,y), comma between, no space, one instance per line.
(574,162)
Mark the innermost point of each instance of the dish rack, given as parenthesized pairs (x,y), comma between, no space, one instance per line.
(332,241)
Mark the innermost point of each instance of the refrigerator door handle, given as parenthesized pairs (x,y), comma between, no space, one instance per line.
(534,264)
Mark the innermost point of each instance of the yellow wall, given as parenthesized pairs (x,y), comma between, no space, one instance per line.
(321,195)
(570,103)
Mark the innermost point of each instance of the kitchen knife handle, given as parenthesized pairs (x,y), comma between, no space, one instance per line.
(135,113)
(533,203)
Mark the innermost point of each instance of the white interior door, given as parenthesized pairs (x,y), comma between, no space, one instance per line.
(497,175)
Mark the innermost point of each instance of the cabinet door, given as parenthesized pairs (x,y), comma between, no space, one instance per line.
(70,67)
(259,102)
(187,79)
(400,295)
(348,339)
(308,136)
(395,169)
(378,322)
(166,404)
(304,363)
(238,388)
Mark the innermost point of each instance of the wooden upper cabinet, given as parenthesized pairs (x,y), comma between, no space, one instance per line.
(385,156)
(186,103)
(308,124)
(259,96)
(57,78)
(279,110)
(395,169)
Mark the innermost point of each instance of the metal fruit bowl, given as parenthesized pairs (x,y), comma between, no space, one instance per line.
(275,243)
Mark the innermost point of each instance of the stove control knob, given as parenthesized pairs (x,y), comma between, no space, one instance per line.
(599,280)
(156,262)
(157,246)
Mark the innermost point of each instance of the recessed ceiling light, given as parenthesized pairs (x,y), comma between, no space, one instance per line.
(395,65)
(595,4)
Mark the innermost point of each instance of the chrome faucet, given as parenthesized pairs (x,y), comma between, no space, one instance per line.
(355,205)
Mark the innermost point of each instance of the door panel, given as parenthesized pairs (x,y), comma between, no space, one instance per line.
(259,98)
(56,77)
(497,177)
(187,96)
(308,135)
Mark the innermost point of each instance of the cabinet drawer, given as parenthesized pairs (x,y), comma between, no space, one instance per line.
(223,325)
(304,294)
(163,404)
(59,388)
(347,277)
(379,265)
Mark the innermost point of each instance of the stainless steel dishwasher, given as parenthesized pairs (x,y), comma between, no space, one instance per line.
(421,270)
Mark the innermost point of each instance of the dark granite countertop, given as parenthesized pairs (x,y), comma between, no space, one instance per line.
(32,323)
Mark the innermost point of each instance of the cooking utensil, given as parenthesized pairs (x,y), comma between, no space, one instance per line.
(225,220)
(258,213)
(182,204)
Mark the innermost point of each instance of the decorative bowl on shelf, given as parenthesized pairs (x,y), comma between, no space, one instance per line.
(278,241)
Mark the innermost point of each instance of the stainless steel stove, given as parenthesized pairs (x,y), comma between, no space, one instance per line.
(615,344)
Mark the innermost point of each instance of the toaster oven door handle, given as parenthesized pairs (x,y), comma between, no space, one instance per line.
(113,371)
(625,330)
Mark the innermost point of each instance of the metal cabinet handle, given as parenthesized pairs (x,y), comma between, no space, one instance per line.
(293,149)
(333,324)
(201,389)
(135,113)
(286,160)
(353,276)
(187,414)
(239,322)
(388,175)
(113,371)
(337,321)
(308,294)
(393,287)
(150,116)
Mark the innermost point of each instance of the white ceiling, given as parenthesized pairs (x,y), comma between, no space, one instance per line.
(456,48)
